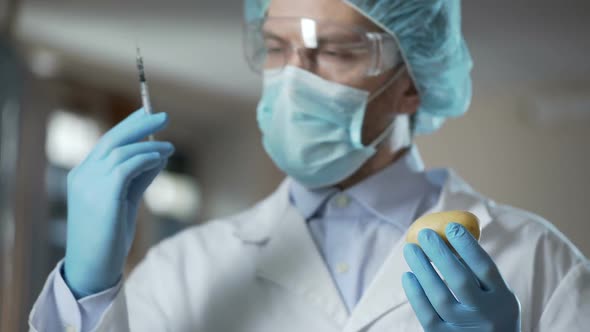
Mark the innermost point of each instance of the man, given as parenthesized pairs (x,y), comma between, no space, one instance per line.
(346,86)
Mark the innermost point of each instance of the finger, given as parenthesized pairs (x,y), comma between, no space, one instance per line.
(425,312)
(139,185)
(131,118)
(435,289)
(136,189)
(133,129)
(460,279)
(127,171)
(474,256)
(121,154)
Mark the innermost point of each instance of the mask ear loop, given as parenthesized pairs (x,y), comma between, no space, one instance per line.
(394,78)
(383,135)
(357,121)
(400,128)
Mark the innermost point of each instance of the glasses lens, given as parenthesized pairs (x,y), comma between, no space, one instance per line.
(336,52)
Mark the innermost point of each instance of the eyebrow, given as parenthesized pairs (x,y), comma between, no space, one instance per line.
(270,34)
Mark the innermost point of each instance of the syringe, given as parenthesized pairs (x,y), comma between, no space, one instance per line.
(145,94)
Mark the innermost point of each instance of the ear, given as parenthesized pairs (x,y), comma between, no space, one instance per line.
(410,98)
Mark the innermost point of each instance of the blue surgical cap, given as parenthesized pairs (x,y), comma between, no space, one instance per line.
(431,42)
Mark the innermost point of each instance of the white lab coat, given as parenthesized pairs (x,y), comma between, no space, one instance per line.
(260,271)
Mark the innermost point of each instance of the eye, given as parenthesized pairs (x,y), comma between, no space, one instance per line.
(273,46)
(336,54)
(331,53)
(276,50)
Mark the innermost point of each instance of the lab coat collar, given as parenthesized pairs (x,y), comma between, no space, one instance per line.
(290,258)
(255,225)
(459,195)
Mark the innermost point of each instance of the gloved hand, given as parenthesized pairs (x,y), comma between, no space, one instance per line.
(482,301)
(104,192)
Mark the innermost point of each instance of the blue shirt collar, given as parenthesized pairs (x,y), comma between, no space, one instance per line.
(396,192)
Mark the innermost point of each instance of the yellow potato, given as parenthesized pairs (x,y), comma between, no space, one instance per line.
(439,221)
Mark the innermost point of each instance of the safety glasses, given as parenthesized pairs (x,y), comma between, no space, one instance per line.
(333,51)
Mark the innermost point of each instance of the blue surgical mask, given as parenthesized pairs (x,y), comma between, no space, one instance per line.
(312,127)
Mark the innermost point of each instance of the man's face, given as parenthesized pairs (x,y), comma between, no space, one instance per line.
(400,97)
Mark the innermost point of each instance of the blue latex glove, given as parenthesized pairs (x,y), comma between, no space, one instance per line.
(482,301)
(104,192)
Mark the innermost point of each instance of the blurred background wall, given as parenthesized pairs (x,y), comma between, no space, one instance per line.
(524,141)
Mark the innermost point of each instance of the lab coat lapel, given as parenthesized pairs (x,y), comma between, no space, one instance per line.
(386,292)
(291,259)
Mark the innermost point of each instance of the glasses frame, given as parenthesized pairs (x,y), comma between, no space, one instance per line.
(379,43)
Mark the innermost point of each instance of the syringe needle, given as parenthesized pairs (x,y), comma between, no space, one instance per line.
(143,86)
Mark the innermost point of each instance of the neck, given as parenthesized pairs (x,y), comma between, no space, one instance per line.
(383,158)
